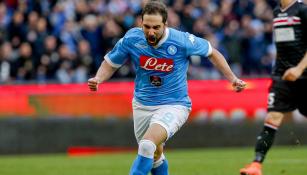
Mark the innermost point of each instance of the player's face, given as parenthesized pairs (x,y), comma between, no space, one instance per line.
(153,28)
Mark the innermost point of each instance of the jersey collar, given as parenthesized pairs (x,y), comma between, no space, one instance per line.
(163,39)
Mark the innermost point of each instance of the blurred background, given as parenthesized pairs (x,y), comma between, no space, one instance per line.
(65,41)
(49,48)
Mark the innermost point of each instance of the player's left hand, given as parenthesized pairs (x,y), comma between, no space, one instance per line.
(93,83)
(292,74)
(238,85)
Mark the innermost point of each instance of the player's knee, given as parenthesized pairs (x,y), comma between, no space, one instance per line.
(147,148)
(274,118)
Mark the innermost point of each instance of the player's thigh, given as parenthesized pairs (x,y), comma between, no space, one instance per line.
(171,118)
(141,119)
(281,97)
(156,133)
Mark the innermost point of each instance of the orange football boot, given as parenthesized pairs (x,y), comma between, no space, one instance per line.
(252,169)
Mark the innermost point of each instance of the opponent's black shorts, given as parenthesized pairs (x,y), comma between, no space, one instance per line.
(286,96)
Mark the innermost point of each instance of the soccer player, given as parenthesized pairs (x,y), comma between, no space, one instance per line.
(161,104)
(289,76)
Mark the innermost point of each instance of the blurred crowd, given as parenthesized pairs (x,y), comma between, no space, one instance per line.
(65,40)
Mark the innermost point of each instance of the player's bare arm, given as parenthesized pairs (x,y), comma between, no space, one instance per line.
(104,73)
(221,64)
(292,74)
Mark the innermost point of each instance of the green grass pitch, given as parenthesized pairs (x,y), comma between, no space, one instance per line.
(291,160)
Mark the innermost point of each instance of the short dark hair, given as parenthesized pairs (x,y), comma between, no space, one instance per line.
(155,7)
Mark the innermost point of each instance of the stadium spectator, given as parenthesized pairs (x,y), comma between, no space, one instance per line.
(6,62)
(24,63)
(102,23)
(91,32)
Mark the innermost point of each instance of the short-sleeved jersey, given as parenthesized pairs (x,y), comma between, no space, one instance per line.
(290,35)
(161,71)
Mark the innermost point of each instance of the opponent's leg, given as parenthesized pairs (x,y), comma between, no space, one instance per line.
(267,135)
(155,135)
(264,143)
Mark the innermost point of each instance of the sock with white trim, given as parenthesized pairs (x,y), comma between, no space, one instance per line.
(160,167)
(144,160)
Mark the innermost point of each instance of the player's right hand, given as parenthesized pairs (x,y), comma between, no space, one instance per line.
(93,83)
(292,74)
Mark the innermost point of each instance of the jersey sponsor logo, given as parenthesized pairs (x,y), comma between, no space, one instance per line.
(156,64)
(172,50)
(284,34)
(282,21)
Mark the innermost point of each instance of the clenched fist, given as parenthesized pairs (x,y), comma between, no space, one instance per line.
(238,85)
(93,83)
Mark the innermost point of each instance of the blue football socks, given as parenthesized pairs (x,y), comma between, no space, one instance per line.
(145,158)
(141,166)
(161,170)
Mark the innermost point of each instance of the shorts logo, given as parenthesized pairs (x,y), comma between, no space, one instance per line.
(172,50)
(156,64)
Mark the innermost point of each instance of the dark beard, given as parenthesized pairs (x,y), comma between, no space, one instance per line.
(153,40)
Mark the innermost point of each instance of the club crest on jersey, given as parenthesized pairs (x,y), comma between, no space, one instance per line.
(156,64)
(172,50)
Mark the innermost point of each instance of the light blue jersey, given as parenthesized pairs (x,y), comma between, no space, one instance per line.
(161,71)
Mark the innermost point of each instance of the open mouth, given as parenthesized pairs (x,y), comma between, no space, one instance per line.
(152,39)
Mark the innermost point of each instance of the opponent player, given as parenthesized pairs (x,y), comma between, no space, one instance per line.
(288,91)
(161,104)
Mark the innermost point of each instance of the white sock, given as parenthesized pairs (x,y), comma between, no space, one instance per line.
(158,162)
